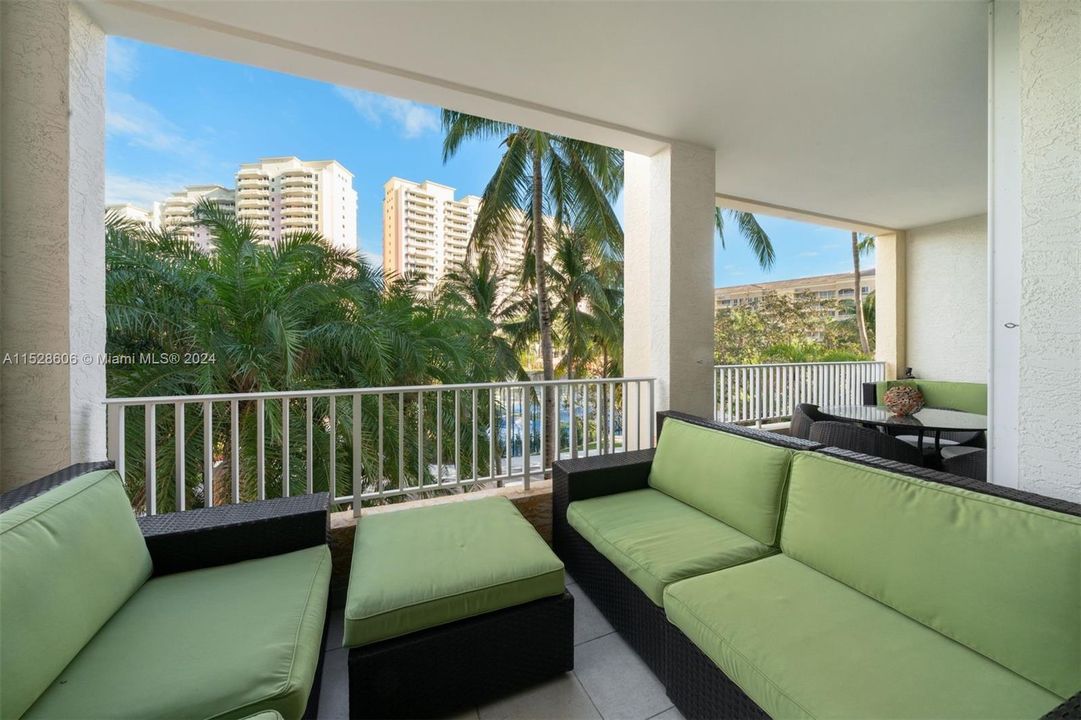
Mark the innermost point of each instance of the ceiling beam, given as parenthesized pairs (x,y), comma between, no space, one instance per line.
(732,202)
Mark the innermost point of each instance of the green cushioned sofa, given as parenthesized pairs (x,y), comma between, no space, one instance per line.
(840,585)
(963,396)
(210,613)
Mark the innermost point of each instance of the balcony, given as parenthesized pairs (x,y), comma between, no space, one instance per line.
(294,199)
(730,571)
(301,181)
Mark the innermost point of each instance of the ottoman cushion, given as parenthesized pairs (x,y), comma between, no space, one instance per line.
(424,567)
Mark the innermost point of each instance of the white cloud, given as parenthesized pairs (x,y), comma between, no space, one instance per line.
(144,193)
(412,119)
(373,259)
(144,126)
(810,253)
(121,60)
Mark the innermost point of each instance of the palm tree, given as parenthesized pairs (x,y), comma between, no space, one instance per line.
(550,181)
(296,315)
(477,292)
(752,232)
(860,245)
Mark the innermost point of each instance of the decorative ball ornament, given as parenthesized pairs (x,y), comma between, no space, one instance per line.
(903,400)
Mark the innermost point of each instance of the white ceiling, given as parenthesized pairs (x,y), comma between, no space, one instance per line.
(870,111)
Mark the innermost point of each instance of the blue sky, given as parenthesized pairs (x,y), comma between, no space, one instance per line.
(176,119)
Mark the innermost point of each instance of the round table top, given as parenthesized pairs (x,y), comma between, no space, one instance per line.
(934,419)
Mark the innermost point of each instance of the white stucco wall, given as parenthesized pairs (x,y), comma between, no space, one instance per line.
(53,255)
(1050,367)
(946,291)
(668,271)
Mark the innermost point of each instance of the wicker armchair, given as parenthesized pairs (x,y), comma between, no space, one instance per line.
(803,416)
(849,436)
(965,461)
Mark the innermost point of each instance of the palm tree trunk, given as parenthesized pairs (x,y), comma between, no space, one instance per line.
(544,313)
(861,323)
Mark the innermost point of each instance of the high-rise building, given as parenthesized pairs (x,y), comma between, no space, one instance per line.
(133,213)
(178,210)
(426,232)
(281,195)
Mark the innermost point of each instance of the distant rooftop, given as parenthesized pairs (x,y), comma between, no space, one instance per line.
(800,282)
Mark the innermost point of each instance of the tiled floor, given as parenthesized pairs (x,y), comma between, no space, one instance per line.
(609,682)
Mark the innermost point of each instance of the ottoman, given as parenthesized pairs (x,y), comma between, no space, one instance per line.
(450,606)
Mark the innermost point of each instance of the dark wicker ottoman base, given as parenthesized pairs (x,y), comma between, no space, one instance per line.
(447,668)
(638,621)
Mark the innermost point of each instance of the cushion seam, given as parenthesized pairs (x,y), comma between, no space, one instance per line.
(952,492)
(490,586)
(736,650)
(441,624)
(56,503)
(948,634)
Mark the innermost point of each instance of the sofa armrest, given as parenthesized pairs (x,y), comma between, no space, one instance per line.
(43,485)
(1070,709)
(228,534)
(585,478)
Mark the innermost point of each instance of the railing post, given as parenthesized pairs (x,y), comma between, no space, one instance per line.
(527,405)
(357,482)
(115,420)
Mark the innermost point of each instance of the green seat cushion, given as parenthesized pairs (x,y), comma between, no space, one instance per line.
(802,645)
(963,396)
(656,540)
(423,567)
(999,576)
(69,559)
(222,642)
(736,480)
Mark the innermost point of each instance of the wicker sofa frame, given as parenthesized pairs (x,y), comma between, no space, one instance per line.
(222,535)
(697,687)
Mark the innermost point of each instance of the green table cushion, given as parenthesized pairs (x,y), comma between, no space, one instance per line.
(963,396)
(1001,577)
(222,642)
(802,645)
(736,480)
(656,540)
(69,559)
(423,567)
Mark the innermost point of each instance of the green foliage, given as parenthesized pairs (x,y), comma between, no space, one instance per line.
(757,238)
(298,315)
(784,328)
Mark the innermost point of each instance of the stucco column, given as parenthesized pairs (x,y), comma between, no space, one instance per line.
(52,261)
(890,305)
(668,272)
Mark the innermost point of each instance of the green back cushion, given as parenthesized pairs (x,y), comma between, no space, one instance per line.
(1000,577)
(69,559)
(738,481)
(967,397)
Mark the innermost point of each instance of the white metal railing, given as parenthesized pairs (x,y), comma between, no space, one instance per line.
(756,393)
(366,444)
